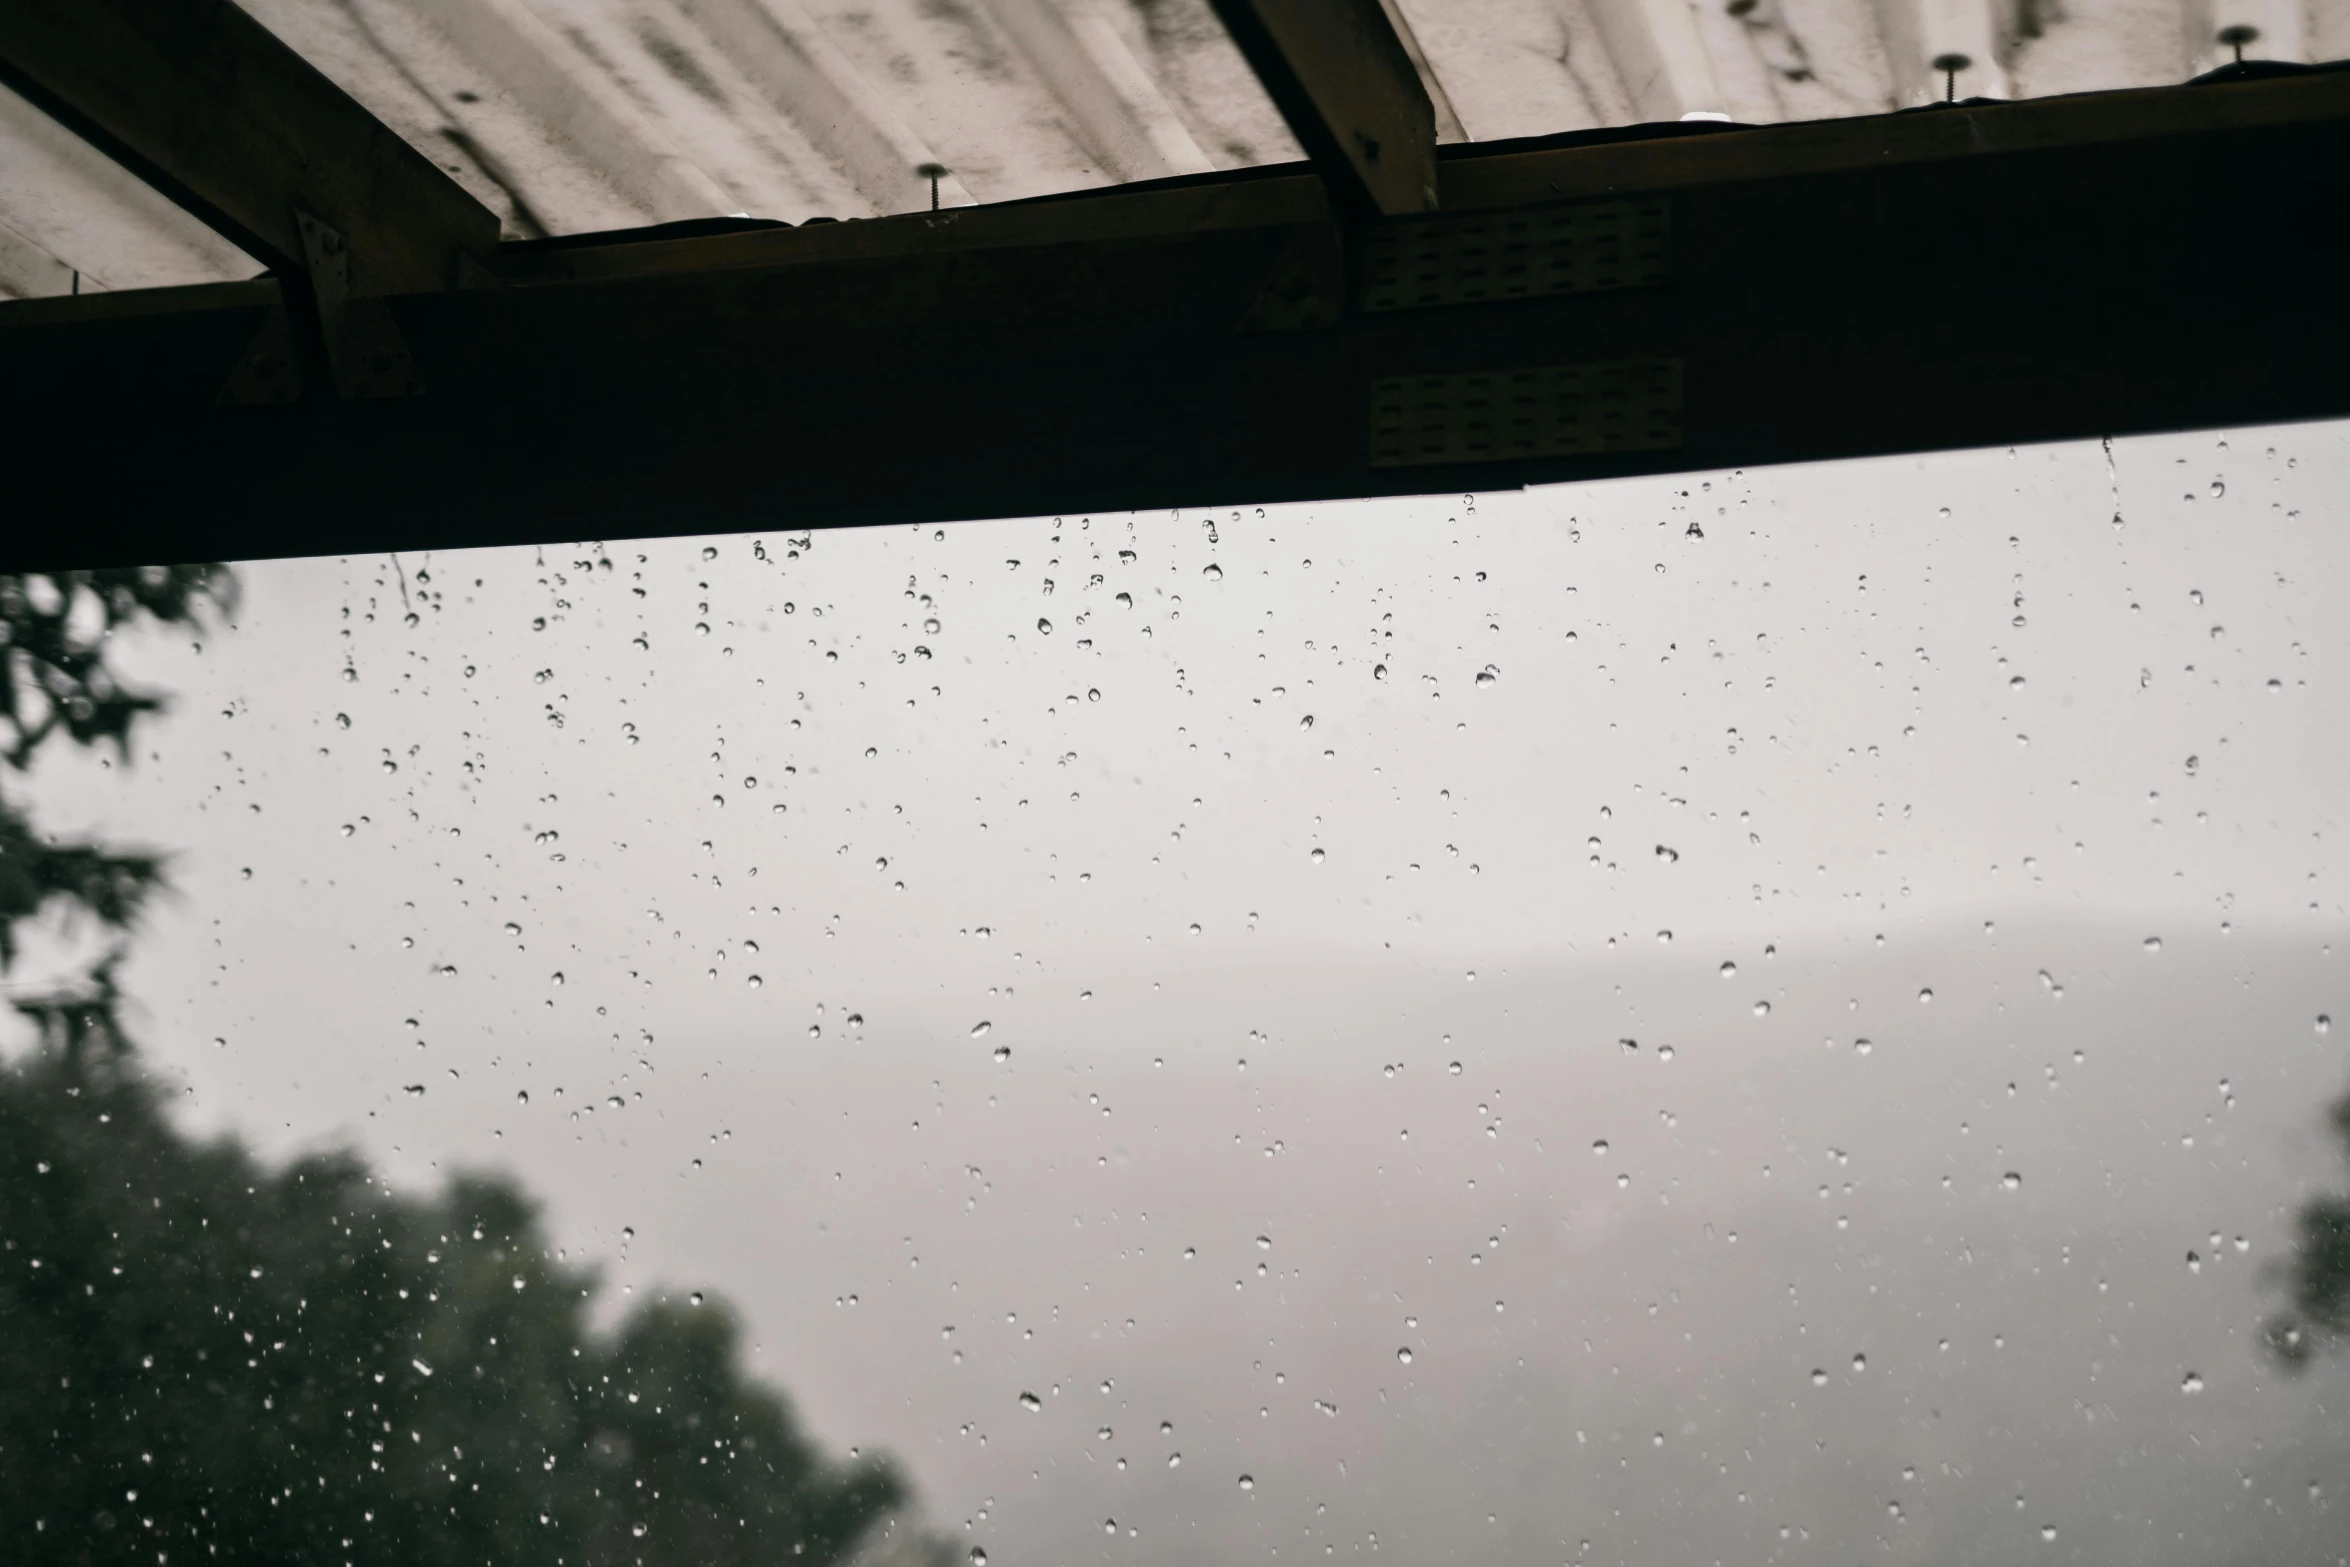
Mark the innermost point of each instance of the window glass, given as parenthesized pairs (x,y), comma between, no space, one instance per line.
(1778,1015)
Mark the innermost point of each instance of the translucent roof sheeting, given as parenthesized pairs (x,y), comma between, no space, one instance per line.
(571,116)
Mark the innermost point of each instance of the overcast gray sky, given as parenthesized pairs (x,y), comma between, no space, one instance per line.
(1757,982)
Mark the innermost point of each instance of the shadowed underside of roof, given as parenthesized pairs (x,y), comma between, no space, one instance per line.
(572,116)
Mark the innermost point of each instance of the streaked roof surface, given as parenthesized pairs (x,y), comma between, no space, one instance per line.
(570,116)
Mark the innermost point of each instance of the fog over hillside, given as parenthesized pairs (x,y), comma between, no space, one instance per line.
(1757,1017)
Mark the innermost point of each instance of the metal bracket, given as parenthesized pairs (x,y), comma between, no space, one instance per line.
(1472,258)
(364,349)
(1586,410)
(270,369)
(1305,288)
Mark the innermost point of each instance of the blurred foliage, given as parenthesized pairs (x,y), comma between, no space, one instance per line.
(55,627)
(55,630)
(204,1359)
(2317,1278)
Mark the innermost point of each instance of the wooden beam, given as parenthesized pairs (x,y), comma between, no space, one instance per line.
(1968,277)
(209,105)
(1346,84)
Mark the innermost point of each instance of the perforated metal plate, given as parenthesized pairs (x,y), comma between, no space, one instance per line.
(1471,257)
(1630,405)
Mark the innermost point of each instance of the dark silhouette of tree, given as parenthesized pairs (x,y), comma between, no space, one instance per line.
(2317,1279)
(200,1355)
(54,681)
(202,1358)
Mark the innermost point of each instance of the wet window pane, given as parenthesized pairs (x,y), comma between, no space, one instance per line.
(1757,1016)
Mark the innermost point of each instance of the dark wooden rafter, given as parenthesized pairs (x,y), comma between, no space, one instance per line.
(202,100)
(210,107)
(1583,307)
(1345,82)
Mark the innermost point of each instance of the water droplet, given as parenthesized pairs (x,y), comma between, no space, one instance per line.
(1599,1149)
(1264,1243)
(980,1028)
(2153,944)
(522,1096)
(1404,1354)
(978,1556)
(2325,1023)
(513,929)
(1860,1362)
(1925,997)
(1729,971)
(1454,1069)
(2011,1180)
(695,1297)
(1379,672)
(2191,1383)
(1248,1482)
(1819,1377)
(342,720)
(1315,857)
(1762,1009)
(1488,675)
(1213,572)
(1045,626)
(1031,1403)
(1003,1052)
(2048,1531)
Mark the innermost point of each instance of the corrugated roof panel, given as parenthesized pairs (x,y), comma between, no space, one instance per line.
(569,116)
